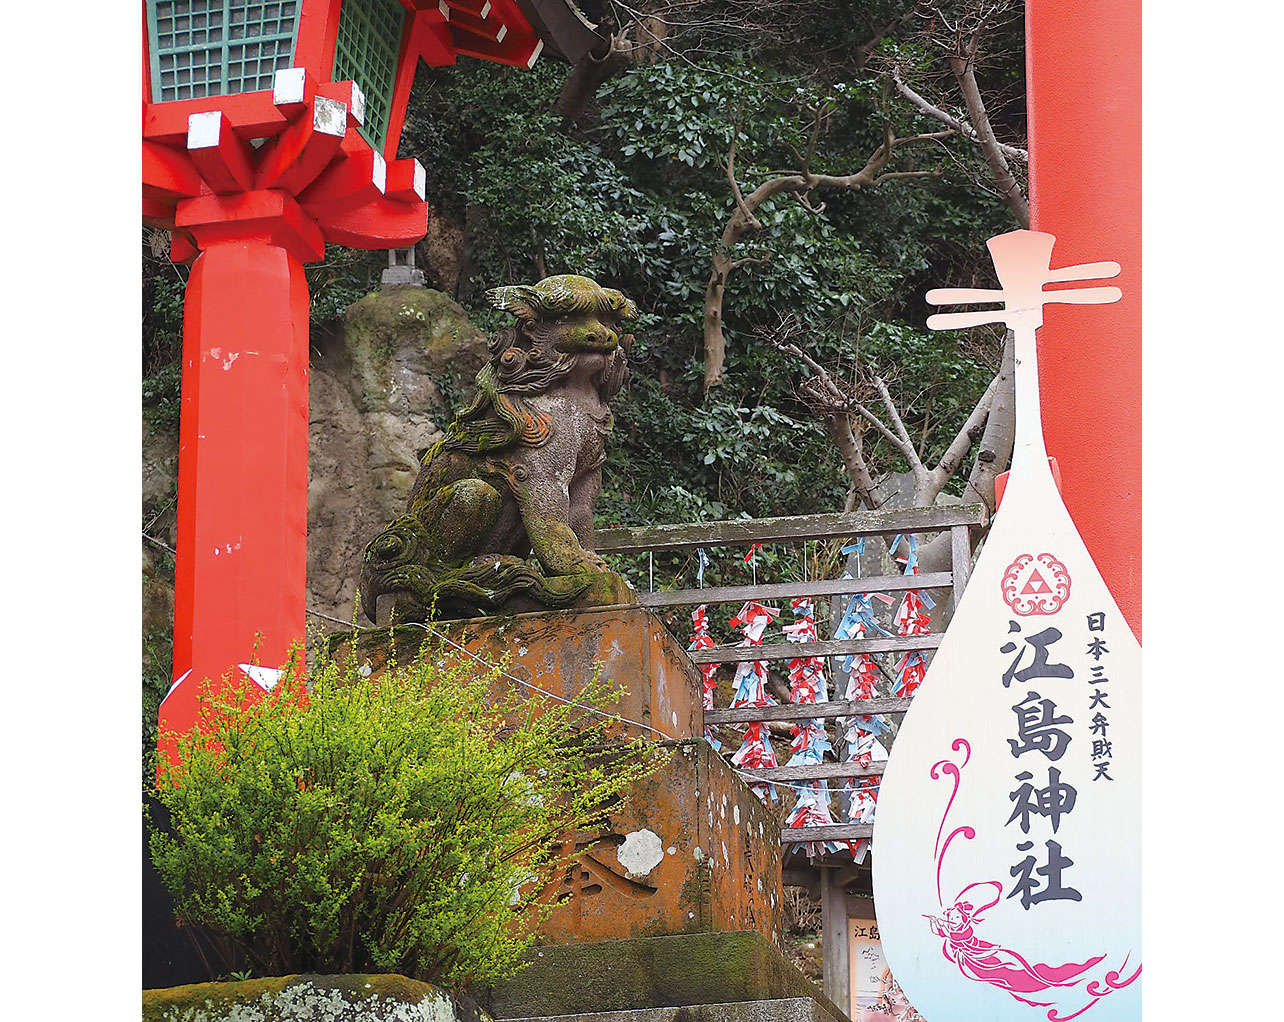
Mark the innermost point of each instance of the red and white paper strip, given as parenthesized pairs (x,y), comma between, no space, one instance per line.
(750,689)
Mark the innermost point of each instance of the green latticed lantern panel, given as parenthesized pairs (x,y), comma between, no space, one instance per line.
(216,47)
(366,53)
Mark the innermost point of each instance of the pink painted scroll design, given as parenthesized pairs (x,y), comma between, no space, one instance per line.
(1035,585)
(985,962)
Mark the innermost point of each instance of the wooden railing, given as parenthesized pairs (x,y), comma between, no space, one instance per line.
(957,519)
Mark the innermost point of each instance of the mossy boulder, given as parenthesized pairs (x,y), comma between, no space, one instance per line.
(354,998)
(382,387)
(401,340)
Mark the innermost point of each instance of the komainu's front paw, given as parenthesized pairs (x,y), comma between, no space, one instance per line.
(607,589)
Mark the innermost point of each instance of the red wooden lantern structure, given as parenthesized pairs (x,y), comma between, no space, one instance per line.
(270,127)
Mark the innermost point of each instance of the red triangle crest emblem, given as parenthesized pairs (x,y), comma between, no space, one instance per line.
(1036,586)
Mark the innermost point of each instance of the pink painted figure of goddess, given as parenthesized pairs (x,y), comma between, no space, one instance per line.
(989,963)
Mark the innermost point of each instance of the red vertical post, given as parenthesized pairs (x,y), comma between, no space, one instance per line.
(1084,93)
(240,578)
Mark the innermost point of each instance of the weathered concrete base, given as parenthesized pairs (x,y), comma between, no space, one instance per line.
(694,849)
(355,998)
(778,1009)
(694,972)
(561,651)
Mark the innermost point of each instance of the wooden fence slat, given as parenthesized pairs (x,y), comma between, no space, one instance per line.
(960,560)
(742,532)
(811,771)
(808,711)
(825,647)
(788,590)
(830,832)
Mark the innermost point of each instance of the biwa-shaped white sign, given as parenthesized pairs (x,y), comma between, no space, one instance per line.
(1006,852)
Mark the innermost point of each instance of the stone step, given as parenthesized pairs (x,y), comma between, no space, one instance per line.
(780,1009)
(734,976)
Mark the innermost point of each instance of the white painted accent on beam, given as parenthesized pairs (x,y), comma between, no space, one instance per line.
(178,681)
(484,11)
(421,181)
(379,173)
(358,104)
(330,117)
(445,11)
(288,85)
(503,31)
(203,129)
(539,48)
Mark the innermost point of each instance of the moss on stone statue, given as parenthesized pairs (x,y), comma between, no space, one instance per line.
(354,998)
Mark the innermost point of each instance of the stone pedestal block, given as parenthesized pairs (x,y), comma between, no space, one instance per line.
(559,651)
(694,849)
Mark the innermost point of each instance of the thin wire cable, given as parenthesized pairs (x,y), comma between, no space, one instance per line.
(752,779)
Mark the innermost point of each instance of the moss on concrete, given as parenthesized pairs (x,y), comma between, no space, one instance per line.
(353,998)
(651,972)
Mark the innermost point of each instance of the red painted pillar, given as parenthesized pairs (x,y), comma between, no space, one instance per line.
(1084,94)
(240,579)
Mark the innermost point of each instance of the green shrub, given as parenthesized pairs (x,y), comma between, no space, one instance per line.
(402,824)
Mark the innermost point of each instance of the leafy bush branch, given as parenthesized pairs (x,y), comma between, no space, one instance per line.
(405,823)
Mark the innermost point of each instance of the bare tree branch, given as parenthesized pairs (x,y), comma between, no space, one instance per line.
(966,130)
(838,424)
(906,444)
(992,457)
(991,422)
(967,435)
(800,184)
(1013,197)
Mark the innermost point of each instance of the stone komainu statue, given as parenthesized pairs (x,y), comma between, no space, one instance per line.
(501,514)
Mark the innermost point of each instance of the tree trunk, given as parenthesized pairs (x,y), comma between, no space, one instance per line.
(589,74)
(715,344)
(992,458)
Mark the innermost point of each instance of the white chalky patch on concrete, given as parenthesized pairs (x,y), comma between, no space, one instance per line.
(640,853)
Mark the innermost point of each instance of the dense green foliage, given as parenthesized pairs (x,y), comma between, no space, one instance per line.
(636,194)
(403,824)
(638,199)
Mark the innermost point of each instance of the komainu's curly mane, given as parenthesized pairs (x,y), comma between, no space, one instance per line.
(499,416)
